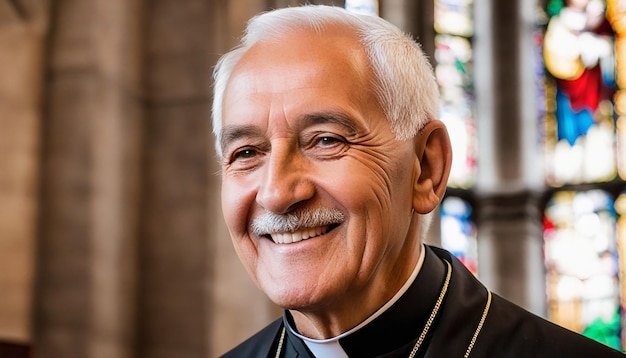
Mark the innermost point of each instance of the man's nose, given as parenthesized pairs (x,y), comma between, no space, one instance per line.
(285,182)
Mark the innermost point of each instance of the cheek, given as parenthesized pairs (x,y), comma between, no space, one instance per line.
(237,201)
(380,189)
(373,182)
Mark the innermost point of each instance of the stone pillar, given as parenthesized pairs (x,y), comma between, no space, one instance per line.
(415,18)
(23,28)
(510,248)
(175,259)
(509,180)
(89,177)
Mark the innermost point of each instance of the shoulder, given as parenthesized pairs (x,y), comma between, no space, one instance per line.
(258,345)
(509,328)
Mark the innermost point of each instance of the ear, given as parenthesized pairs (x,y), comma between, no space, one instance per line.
(431,167)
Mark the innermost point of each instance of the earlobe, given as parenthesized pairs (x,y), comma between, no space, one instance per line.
(433,160)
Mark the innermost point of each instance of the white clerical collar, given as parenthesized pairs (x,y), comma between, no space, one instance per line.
(330,348)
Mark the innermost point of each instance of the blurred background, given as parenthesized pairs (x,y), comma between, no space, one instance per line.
(112,242)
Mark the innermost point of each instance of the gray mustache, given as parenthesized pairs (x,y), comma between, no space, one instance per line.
(271,223)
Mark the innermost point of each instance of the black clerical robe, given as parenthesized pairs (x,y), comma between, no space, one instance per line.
(507,329)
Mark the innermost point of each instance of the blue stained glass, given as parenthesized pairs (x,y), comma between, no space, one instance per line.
(458,232)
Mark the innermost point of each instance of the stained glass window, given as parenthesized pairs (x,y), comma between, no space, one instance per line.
(579,57)
(454,17)
(458,232)
(582,264)
(368,7)
(584,54)
(454,71)
(616,13)
(454,28)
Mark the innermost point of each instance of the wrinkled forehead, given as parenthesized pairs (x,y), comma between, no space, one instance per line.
(332,43)
(312,57)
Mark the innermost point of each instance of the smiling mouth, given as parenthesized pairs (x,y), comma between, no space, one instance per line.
(299,235)
(296,226)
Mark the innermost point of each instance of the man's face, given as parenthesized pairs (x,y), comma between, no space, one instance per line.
(302,133)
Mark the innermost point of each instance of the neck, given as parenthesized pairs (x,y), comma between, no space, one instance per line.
(392,327)
(385,284)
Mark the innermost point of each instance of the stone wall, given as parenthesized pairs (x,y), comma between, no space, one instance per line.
(22,32)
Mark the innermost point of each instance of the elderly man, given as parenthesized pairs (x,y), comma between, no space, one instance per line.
(332,157)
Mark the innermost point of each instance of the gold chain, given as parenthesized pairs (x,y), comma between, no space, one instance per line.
(280,343)
(442,295)
(480,325)
(429,322)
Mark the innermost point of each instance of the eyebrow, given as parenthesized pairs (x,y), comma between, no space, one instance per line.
(232,133)
(332,117)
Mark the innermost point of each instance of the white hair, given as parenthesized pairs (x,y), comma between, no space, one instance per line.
(403,79)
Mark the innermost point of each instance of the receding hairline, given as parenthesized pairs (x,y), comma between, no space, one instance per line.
(358,64)
(330,29)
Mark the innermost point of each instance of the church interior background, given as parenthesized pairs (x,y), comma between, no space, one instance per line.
(111,237)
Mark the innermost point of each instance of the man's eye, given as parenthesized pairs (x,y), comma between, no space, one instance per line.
(244,154)
(327,141)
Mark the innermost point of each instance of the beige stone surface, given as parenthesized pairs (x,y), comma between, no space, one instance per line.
(63,300)
(114,217)
(18,207)
(8,14)
(90,192)
(174,261)
(20,70)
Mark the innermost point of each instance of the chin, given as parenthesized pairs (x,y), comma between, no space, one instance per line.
(292,298)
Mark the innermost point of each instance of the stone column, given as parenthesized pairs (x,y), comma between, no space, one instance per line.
(23,28)
(509,180)
(89,177)
(176,258)
(415,18)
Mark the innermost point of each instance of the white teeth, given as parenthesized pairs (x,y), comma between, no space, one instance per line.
(289,237)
